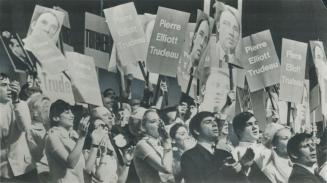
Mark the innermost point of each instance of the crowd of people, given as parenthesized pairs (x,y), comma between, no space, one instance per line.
(125,141)
(141,140)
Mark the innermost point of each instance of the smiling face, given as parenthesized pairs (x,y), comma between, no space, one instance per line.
(251,131)
(200,41)
(229,30)
(47,23)
(65,119)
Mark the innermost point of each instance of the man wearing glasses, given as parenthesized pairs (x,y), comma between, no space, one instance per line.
(302,151)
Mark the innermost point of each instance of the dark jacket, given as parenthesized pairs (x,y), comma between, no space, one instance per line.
(198,165)
(301,175)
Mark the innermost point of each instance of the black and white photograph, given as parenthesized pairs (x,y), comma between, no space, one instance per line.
(163,91)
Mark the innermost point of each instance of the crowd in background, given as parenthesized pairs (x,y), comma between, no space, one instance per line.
(125,141)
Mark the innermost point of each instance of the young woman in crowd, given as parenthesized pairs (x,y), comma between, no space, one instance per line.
(153,153)
(279,167)
(181,141)
(64,154)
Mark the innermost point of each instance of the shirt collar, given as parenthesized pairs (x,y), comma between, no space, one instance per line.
(61,131)
(310,169)
(208,146)
(246,144)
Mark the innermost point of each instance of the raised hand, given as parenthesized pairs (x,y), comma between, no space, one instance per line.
(97,136)
(84,126)
(15,89)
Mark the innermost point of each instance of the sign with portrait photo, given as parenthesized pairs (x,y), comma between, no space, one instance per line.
(15,52)
(46,20)
(320,61)
(228,29)
(49,56)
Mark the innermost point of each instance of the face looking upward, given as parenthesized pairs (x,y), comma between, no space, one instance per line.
(251,131)
(200,41)
(307,153)
(282,136)
(209,129)
(151,124)
(228,30)
(5,93)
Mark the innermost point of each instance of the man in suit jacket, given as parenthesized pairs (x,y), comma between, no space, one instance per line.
(204,163)
(302,151)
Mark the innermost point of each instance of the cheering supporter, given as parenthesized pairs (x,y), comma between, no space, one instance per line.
(181,141)
(64,154)
(246,128)
(279,166)
(302,151)
(110,100)
(153,153)
(39,106)
(204,162)
(16,160)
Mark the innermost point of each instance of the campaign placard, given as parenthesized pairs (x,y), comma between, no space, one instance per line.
(49,56)
(84,77)
(293,58)
(57,86)
(320,61)
(46,20)
(98,42)
(128,34)
(260,61)
(166,41)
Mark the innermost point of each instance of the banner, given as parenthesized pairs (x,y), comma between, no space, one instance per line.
(85,82)
(50,57)
(57,86)
(260,61)
(46,20)
(293,59)
(167,41)
(129,37)
(98,42)
(320,61)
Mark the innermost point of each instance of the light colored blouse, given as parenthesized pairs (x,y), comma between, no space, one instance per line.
(58,140)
